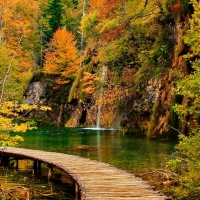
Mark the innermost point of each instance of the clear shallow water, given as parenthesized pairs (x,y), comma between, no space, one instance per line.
(128,152)
(16,182)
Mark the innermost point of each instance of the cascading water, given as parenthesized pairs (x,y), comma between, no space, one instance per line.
(103,76)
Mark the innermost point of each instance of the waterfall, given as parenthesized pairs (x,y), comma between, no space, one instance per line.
(103,75)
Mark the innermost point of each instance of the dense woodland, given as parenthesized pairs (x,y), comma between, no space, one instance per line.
(54,52)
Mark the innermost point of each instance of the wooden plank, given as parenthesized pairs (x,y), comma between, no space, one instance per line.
(95,180)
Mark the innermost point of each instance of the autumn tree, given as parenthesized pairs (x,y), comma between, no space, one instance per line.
(61,58)
(18,36)
(58,14)
(90,82)
(61,63)
(18,21)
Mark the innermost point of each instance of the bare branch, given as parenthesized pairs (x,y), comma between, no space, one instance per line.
(175,129)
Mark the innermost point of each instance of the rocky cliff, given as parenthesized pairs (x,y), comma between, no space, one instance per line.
(143,59)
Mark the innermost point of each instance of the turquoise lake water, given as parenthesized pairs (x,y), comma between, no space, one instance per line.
(131,153)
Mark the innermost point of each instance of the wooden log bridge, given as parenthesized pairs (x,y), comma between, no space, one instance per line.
(95,180)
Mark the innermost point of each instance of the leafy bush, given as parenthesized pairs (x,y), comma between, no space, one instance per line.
(186,164)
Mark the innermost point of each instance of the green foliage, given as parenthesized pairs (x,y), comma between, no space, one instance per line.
(75,86)
(192,36)
(185,5)
(160,54)
(54,16)
(31,123)
(71,3)
(88,24)
(124,41)
(121,104)
(123,49)
(141,77)
(186,164)
(189,88)
(72,16)
(170,2)
(107,25)
(65,118)
(158,70)
(86,60)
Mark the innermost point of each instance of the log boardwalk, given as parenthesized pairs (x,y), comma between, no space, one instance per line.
(94,180)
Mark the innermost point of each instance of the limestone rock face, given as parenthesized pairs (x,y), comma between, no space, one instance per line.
(35,93)
(75,118)
(139,108)
(164,121)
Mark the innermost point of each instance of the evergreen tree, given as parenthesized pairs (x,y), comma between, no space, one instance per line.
(54,17)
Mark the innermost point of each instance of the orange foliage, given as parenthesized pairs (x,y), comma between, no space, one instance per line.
(113,33)
(175,8)
(61,59)
(127,77)
(18,17)
(109,8)
(18,29)
(89,81)
(95,4)
(106,8)
(110,101)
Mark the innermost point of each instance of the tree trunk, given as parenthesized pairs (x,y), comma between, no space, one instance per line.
(146,2)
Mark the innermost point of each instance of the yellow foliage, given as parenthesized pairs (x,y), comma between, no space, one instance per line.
(45,108)
(5,123)
(20,128)
(7,140)
(9,110)
(26,107)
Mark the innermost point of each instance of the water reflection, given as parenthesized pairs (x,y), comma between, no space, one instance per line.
(22,182)
(133,154)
